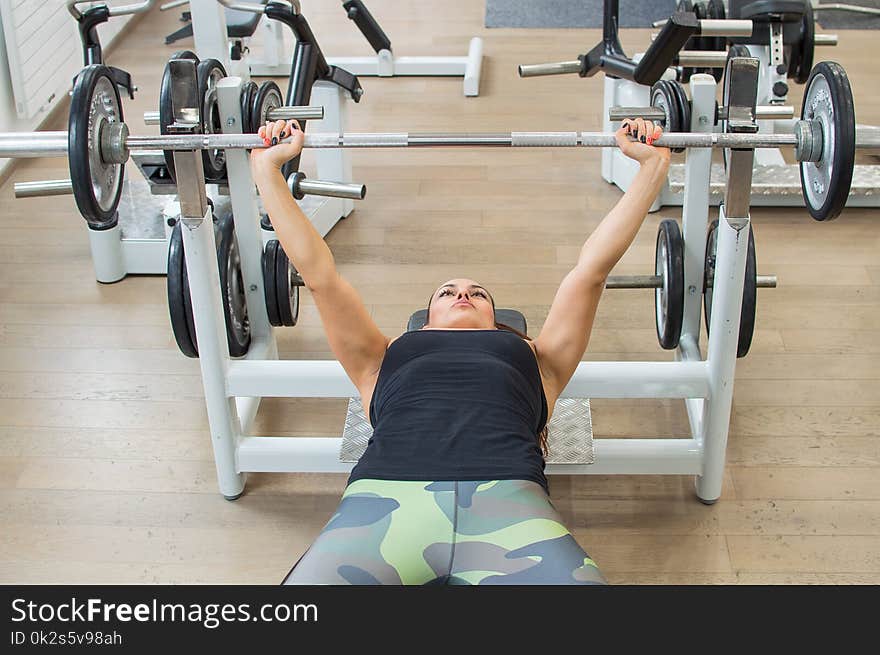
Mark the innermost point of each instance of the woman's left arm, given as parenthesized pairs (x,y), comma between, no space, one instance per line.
(566,332)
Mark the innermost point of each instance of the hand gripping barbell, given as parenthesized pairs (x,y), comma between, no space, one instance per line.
(97,142)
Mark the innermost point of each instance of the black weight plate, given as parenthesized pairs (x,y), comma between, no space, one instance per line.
(669,299)
(684,120)
(178,292)
(209,72)
(97,186)
(247,98)
(268,95)
(684,6)
(750,289)
(662,97)
(269,282)
(232,291)
(807,46)
(286,293)
(166,110)
(824,191)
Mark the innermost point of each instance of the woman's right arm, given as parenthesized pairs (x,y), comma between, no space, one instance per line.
(353,337)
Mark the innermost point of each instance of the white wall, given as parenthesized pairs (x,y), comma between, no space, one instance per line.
(9,120)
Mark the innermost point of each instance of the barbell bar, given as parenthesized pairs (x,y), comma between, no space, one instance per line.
(116,143)
(99,144)
(277,114)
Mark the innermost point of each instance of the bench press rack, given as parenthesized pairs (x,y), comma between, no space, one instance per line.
(234,387)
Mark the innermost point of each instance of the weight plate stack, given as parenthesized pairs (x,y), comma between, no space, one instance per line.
(286,289)
(179,303)
(750,289)
(97,185)
(209,72)
(669,298)
(828,101)
(166,110)
(269,282)
(267,97)
(807,46)
(238,334)
(248,91)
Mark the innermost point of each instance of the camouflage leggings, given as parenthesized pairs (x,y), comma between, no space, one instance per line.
(402,532)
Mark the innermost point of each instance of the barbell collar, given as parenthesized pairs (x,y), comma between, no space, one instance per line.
(43,188)
(558,68)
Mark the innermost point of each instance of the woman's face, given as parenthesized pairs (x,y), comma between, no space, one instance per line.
(461,304)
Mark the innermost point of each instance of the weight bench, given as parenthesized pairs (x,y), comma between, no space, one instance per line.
(239,25)
(570,435)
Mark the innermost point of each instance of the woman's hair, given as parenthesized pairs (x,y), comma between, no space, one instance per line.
(543,434)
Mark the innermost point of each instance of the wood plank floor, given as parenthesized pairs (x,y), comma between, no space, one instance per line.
(106,471)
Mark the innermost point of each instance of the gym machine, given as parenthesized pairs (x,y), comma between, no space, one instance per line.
(649,79)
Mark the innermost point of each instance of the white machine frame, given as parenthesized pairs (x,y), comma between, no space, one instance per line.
(276,62)
(234,387)
(209,33)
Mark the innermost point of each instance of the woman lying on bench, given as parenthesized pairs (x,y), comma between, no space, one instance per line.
(451,487)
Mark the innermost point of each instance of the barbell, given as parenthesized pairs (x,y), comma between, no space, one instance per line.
(98,142)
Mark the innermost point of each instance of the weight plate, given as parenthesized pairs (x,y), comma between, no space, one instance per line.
(178,295)
(750,289)
(286,291)
(683,107)
(807,45)
(248,91)
(267,97)
(828,100)
(669,298)
(97,185)
(238,333)
(209,72)
(166,110)
(269,282)
(662,97)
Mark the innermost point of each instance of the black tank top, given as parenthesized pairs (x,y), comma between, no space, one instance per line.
(456,405)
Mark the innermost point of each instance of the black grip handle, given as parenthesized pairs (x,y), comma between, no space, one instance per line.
(368,25)
(660,55)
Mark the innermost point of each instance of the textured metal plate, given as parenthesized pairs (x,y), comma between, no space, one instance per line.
(781,181)
(570,438)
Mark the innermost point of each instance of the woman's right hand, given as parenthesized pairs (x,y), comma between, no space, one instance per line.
(641,147)
(275,156)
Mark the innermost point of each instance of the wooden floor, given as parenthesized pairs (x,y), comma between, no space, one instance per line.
(106,470)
